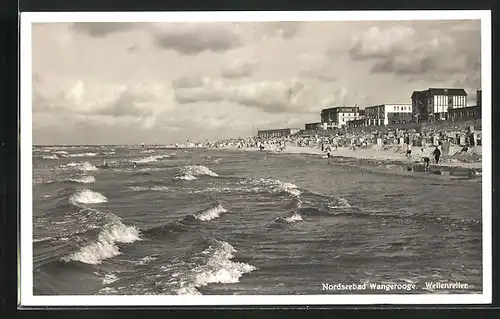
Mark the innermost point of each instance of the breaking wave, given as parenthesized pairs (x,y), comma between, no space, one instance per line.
(83,179)
(211,213)
(190,172)
(83,155)
(106,245)
(50,157)
(87,196)
(82,166)
(218,268)
(149,159)
(278,186)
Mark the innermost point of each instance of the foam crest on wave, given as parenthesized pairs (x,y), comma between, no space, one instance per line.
(105,247)
(279,186)
(50,157)
(340,203)
(82,166)
(190,172)
(219,268)
(83,155)
(87,196)
(83,179)
(211,213)
(293,218)
(149,159)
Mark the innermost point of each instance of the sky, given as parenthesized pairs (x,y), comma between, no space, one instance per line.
(130,83)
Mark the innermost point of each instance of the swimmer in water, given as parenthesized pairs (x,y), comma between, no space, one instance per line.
(135,165)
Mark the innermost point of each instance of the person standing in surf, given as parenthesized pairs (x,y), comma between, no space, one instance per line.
(437,154)
(426,161)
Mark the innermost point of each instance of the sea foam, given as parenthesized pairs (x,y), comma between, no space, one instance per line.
(105,247)
(190,172)
(83,179)
(219,268)
(210,213)
(87,196)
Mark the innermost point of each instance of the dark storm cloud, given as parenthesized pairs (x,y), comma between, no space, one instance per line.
(102,29)
(195,41)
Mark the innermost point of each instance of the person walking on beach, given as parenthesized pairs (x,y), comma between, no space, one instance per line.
(437,154)
(408,151)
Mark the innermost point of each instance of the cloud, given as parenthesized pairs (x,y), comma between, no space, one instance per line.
(103,29)
(192,39)
(380,43)
(115,101)
(269,96)
(273,97)
(284,29)
(403,51)
(240,68)
(320,74)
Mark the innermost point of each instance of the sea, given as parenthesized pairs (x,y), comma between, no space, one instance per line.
(218,222)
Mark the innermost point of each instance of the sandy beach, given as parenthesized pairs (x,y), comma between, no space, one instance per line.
(393,155)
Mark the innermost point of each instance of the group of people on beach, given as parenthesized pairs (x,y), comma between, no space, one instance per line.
(425,159)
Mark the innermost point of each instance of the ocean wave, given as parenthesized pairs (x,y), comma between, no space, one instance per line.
(218,268)
(190,172)
(160,188)
(82,166)
(83,155)
(149,159)
(61,153)
(295,217)
(341,203)
(177,226)
(42,239)
(275,185)
(83,179)
(50,157)
(87,196)
(138,188)
(210,213)
(148,151)
(105,247)
(145,260)
(186,223)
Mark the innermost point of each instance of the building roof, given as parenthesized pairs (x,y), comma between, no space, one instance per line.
(444,91)
(338,107)
(440,91)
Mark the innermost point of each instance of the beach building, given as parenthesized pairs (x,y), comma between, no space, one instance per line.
(435,103)
(465,113)
(337,117)
(361,121)
(282,132)
(385,114)
(314,126)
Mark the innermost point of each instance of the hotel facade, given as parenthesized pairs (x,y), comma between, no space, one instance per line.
(385,114)
(337,117)
(435,103)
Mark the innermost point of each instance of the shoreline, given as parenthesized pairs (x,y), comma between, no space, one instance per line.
(372,155)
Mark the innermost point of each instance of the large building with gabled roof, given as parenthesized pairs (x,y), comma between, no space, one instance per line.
(435,103)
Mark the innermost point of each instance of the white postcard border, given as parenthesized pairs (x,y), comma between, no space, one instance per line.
(26,215)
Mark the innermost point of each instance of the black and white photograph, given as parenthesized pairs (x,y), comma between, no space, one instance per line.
(226,158)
